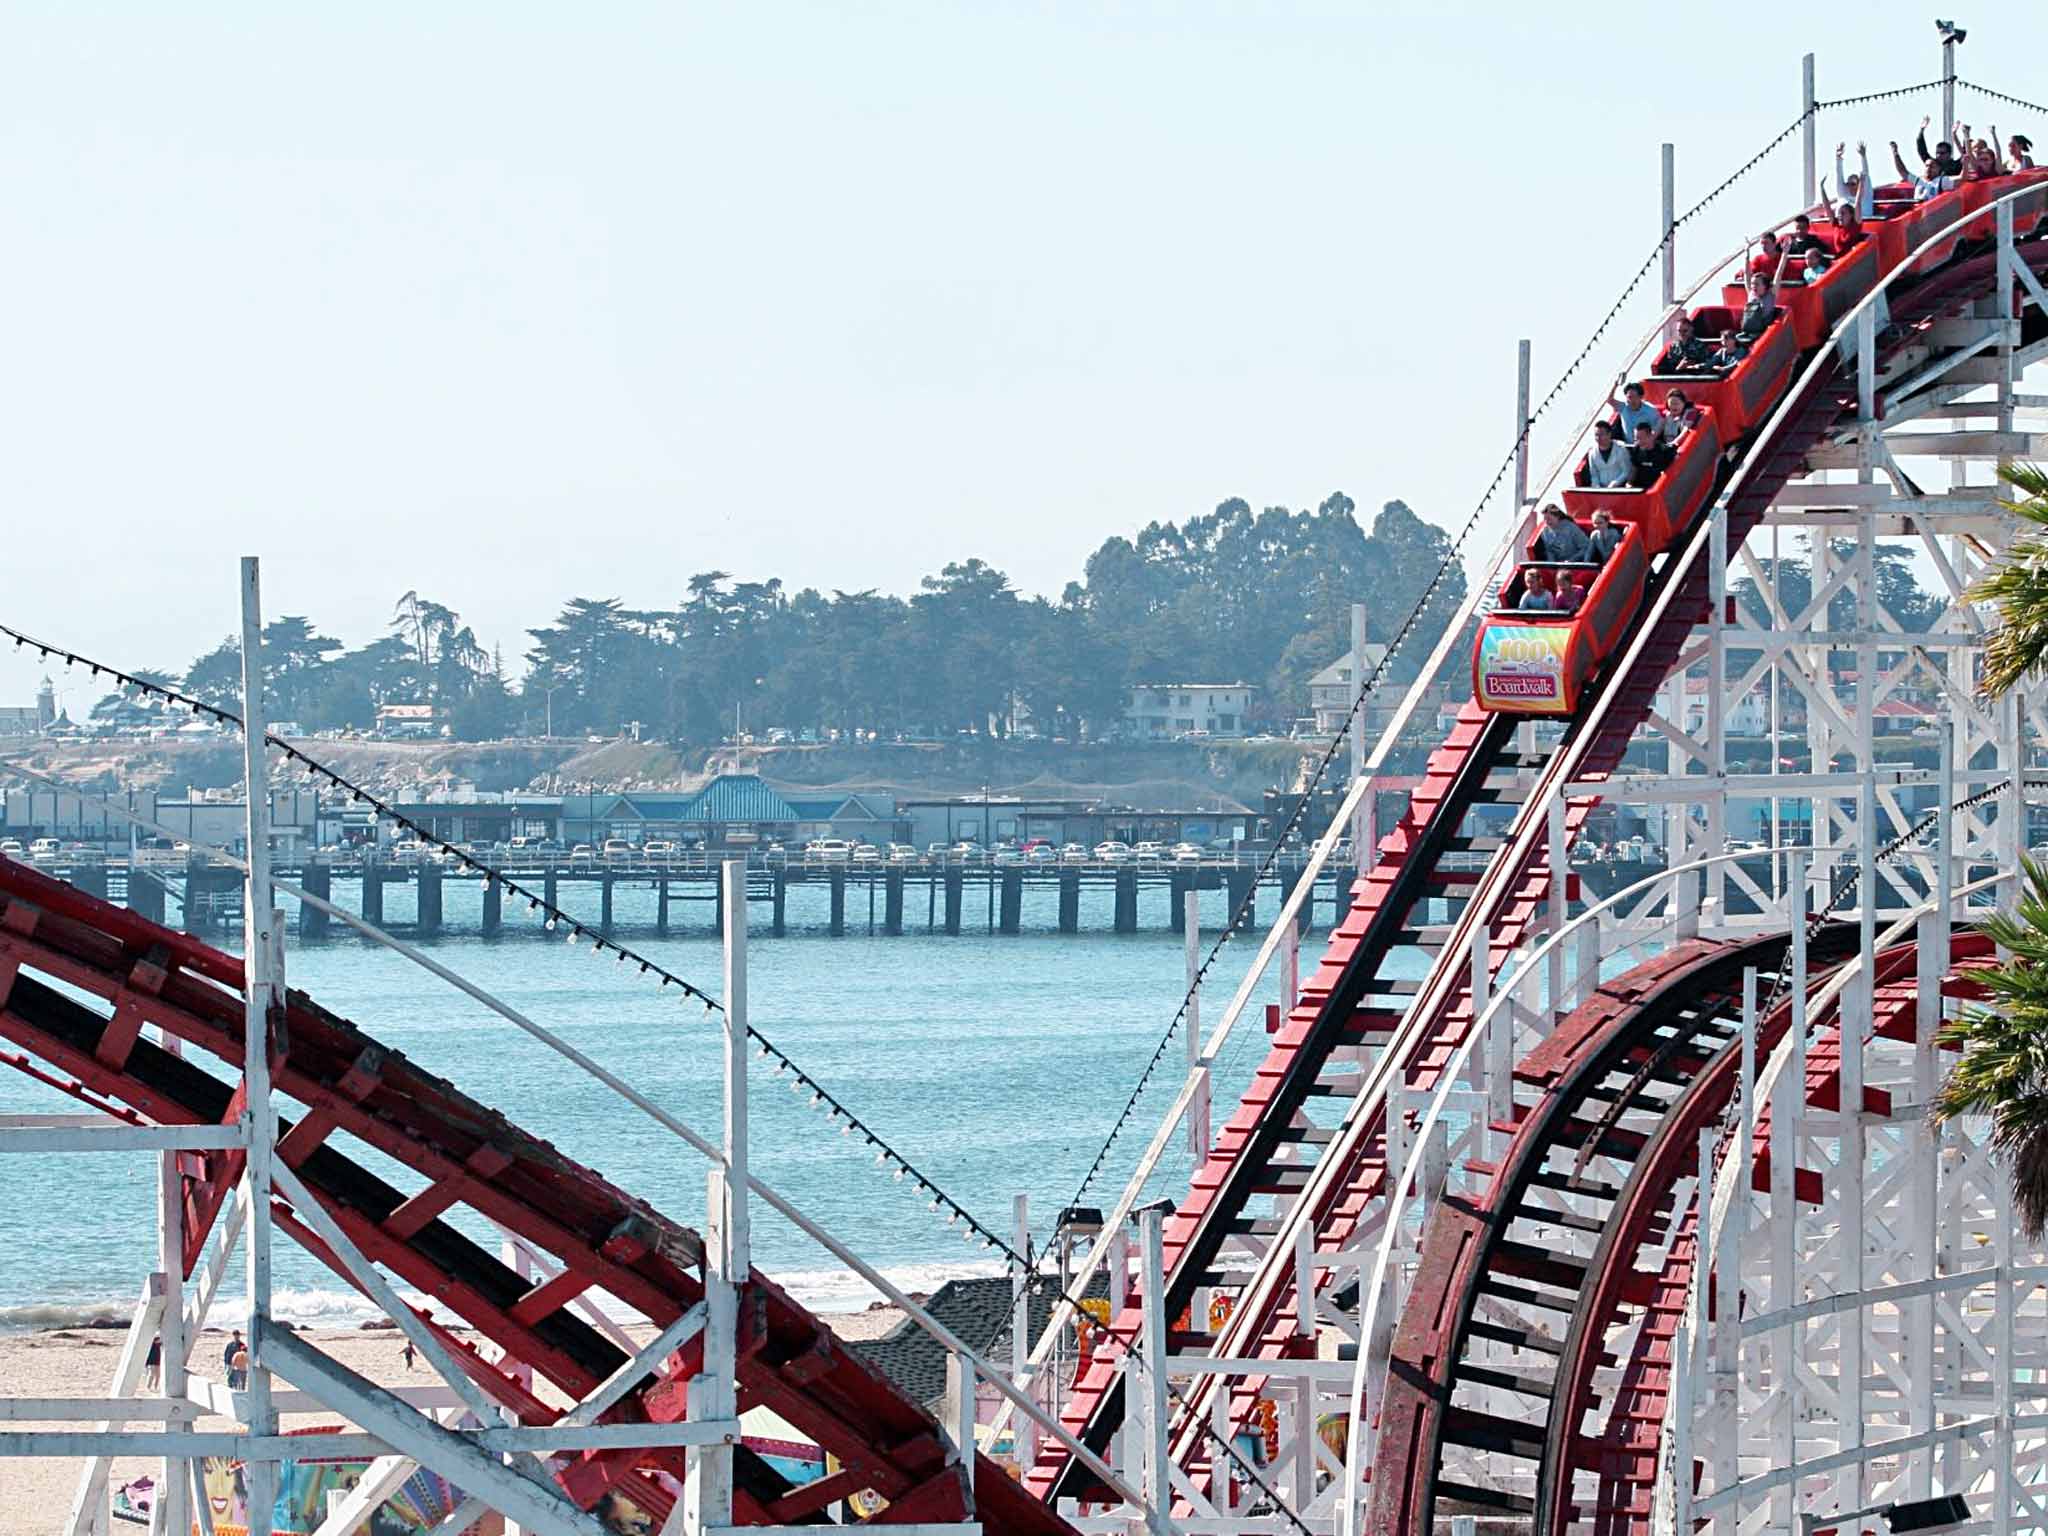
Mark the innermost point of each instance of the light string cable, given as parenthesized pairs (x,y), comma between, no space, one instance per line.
(1985,90)
(1370,685)
(1844,878)
(575,931)
(802,1083)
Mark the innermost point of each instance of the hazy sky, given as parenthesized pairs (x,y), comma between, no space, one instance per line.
(514,302)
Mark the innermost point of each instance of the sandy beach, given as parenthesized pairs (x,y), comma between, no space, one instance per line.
(79,1362)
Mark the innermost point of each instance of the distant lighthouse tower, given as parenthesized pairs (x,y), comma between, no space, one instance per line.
(46,705)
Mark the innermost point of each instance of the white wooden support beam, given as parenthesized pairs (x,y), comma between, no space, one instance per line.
(738,1247)
(1521,426)
(1026,1433)
(89,1502)
(1559,864)
(1480,979)
(351,1513)
(97,1133)
(174,1506)
(647,1360)
(712,1392)
(538,1506)
(1191,1032)
(959,1417)
(1357,727)
(1809,183)
(1290,969)
(261,992)
(1667,224)
(1152,1364)
(1305,1281)
(306,1205)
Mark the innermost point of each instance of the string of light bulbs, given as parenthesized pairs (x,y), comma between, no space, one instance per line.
(576,932)
(801,1083)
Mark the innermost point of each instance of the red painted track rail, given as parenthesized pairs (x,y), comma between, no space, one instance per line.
(1263,1155)
(356,1093)
(1566,1229)
(1606,1475)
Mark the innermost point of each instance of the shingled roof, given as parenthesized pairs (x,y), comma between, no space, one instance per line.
(977,1312)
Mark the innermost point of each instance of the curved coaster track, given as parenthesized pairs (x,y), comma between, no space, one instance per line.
(81,979)
(1306,1148)
(1531,1366)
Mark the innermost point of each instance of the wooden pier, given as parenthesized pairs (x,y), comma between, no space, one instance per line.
(923,895)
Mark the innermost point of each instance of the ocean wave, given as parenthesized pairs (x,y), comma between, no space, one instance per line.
(821,1290)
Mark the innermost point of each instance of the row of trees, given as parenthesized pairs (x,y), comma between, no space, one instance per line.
(1234,595)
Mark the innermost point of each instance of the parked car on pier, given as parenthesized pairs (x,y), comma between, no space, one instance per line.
(660,848)
(583,853)
(902,853)
(829,850)
(967,853)
(1009,856)
(866,853)
(617,848)
(11,847)
(1073,853)
(1149,853)
(1187,853)
(411,851)
(1041,852)
(1113,852)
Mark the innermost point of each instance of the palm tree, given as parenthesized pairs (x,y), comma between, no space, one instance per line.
(2003,1069)
(2019,587)
(2002,1072)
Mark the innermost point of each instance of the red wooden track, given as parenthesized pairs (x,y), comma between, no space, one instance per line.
(1561,1229)
(1607,1477)
(464,1155)
(1263,1155)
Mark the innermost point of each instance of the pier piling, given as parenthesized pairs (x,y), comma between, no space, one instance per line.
(1240,883)
(146,895)
(1127,901)
(1070,901)
(430,900)
(835,879)
(316,879)
(1012,903)
(604,920)
(494,908)
(373,892)
(661,906)
(955,881)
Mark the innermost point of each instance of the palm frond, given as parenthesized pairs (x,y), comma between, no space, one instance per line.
(2018,586)
(2002,1071)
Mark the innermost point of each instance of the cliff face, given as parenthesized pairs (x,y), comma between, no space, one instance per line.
(1219,775)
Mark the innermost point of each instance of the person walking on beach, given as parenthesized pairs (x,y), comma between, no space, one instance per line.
(409,1354)
(153,1363)
(236,1358)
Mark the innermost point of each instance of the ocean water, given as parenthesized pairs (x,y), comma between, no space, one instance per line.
(996,1063)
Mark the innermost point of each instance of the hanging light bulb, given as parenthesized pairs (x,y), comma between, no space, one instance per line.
(551,920)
